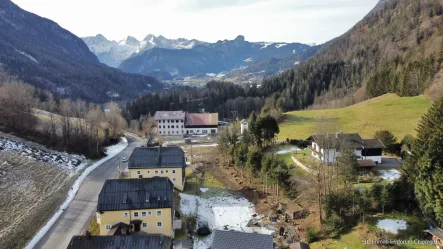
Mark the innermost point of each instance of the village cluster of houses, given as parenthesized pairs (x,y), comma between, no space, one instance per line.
(138,212)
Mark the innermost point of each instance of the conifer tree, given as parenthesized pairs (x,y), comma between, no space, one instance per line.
(425,167)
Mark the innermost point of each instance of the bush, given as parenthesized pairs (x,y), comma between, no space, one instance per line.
(302,144)
(312,235)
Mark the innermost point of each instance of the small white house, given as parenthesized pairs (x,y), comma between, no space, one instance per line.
(243,126)
(327,147)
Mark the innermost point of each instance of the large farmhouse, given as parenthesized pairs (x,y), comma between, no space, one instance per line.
(143,205)
(148,162)
(327,147)
(174,123)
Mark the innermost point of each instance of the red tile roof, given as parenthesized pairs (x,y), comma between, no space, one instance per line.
(194,119)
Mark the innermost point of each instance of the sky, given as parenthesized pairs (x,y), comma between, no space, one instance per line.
(306,21)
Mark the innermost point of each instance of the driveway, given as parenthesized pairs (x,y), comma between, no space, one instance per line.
(389,162)
(76,218)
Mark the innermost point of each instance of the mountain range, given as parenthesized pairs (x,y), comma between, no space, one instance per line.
(43,54)
(164,57)
(113,53)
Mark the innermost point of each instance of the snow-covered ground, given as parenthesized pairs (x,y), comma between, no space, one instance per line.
(392,226)
(390,175)
(68,162)
(111,151)
(219,212)
(287,150)
(281,45)
(204,145)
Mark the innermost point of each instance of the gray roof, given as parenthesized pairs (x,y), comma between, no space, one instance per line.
(157,157)
(120,242)
(134,194)
(352,140)
(240,240)
(169,115)
(373,143)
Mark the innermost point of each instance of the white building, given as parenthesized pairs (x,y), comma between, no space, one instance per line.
(244,126)
(327,147)
(170,123)
(174,123)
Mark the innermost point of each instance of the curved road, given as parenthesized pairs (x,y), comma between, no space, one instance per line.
(76,218)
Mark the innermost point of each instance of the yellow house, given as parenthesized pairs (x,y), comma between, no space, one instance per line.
(146,205)
(148,162)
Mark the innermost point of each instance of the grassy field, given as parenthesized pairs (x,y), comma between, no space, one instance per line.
(368,231)
(397,114)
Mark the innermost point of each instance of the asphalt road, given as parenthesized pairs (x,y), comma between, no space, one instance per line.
(76,218)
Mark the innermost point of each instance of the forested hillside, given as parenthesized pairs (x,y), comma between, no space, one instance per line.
(43,54)
(395,48)
(216,96)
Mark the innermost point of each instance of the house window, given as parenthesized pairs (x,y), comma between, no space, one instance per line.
(138,172)
(159,224)
(169,126)
(108,227)
(172,126)
(198,131)
(167,171)
(159,212)
(143,214)
(161,172)
(192,131)
(172,132)
(156,172)
(145,224)
(173,171)
(125,214)
(159,132)
(205,132)
(135,214)
(149,213)
(182,126)
(173,179)
(147,171)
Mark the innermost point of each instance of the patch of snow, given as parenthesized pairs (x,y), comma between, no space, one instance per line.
(220,212)
(27,55)
(205,145)
(281,45)
(265,45)
(211,74)
(296,63)
(392,226)
(204,190)
(122,42)
(390,175)
(111,152)
(248,60)
(70,163)
(287,150)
